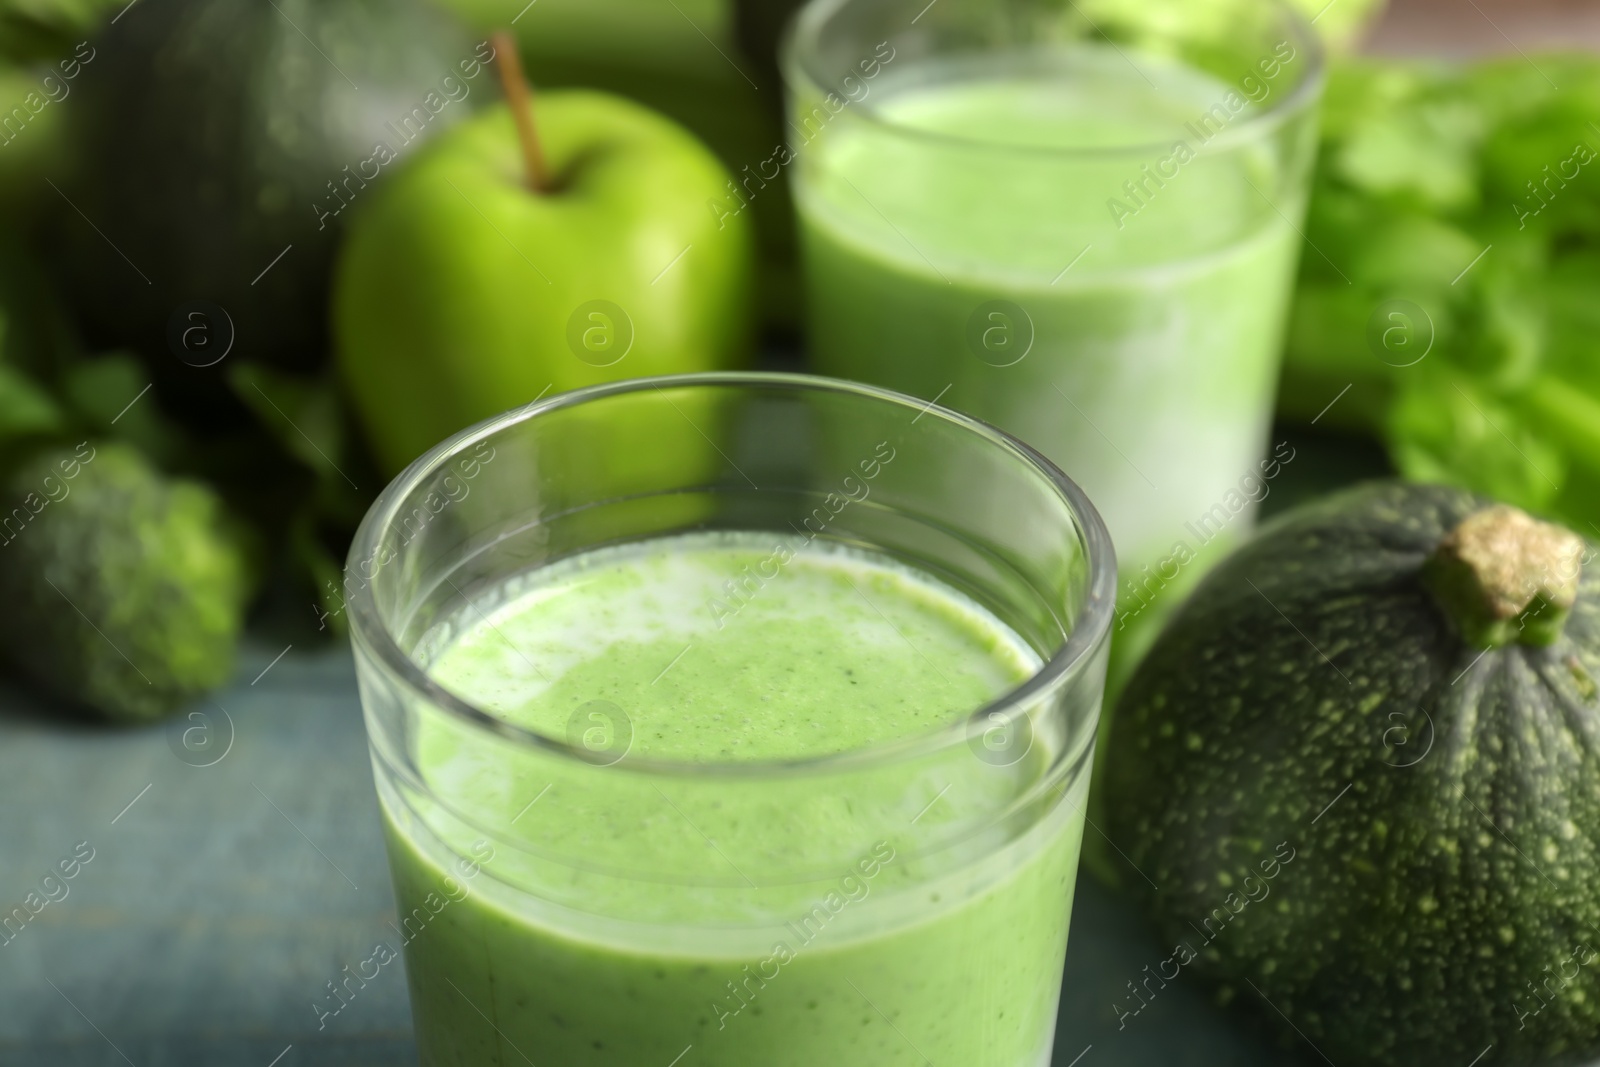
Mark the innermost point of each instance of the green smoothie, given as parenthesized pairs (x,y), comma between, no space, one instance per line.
(696,892)
(1091,249)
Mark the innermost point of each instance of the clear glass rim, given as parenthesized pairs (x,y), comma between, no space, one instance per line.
(1089,629)
(798,49)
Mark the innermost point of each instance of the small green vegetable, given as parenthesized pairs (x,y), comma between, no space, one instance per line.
(274,119)
(124,590)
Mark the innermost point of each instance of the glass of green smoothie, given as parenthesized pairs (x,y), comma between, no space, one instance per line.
(1075,219)
(735,719)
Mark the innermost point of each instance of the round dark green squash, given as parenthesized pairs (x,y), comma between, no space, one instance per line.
(1395,688)
(224,144)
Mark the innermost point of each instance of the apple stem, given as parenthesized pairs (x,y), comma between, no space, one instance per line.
(521,101)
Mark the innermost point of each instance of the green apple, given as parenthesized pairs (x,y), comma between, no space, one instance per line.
(461,291)
(697,61)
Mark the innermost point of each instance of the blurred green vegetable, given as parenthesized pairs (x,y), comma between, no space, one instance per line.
(47,29)
(222,142)
(25,408)
(125,590)
(1451,275)
(1339,23)
(312,426)
(127,576)
(34,147)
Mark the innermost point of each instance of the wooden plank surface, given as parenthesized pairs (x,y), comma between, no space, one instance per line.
(219,899)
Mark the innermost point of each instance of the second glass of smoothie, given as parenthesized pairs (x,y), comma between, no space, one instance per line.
(1076,220)
(731,720)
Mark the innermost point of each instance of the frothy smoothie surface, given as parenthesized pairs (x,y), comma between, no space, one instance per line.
(727,647)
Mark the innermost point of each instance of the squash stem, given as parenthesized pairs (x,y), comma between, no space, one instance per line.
(1502,576)
(521,101)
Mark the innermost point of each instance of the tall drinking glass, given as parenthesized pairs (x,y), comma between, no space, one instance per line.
(1075,219)
(647,882)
